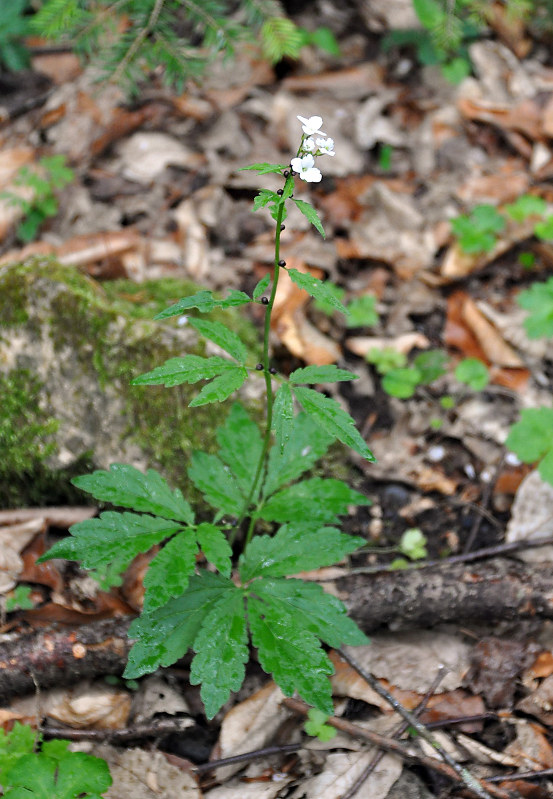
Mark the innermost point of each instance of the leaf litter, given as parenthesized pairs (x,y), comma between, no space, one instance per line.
(165,179)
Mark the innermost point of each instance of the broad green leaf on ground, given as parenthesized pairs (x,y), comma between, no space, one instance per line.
(219,488)
(307,443)
(472,372)
(316,726)
(38,776)
(316,500)
(321,374)
(531,439)
(294,658)
(221,652)
(402,383)
(170,570)
(127,486)
(362,311)
(204,301)
(112,537)
(166,634)
(431,365)
(538,300)
(283,414)
(295,548)
(264,168)
(316,288)
(261,286)
(310,214)
(188,369)
(222,336)
(525,206)
(308,606)
(221,387)
(213,543)
(240,446)
(21,740)
(328,413)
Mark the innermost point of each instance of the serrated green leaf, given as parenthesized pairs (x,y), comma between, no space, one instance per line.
(170,570)
(307,443)
(538,300)
(316,726)
(321,374)
(204,301)
(264,198)
(280,37)
(261,286)
(312,216)
(221,387)
(188,369)
(316,288)
(218,486)
(21,740)
(128,487)
(216,548)
(112,537)
(165,635)
(328,413)
(294,658)
(76,774)
(240,446)
(222,336)
(429,13)
(295,548)
(317,500)
(531,439)
(264,168)
(283,414)
(221,652)
(308,606)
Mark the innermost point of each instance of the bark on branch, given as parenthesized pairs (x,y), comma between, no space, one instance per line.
(495,590)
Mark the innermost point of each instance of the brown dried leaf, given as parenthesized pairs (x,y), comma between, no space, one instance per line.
(99,708)
(494,346)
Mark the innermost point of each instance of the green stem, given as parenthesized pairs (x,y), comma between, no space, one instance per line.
(267,376)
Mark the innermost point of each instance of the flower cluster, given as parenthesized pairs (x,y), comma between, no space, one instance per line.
(304,163)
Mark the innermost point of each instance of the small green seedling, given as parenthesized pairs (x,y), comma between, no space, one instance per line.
(473,373)
(527,259)
(525,206)
(531,439)
(52,773)
(19,599)
(413,545)
(544,229)
(477,231)
(52,174)
(386,359)
(427,367)
(362,311)
(317,727)
(538,300)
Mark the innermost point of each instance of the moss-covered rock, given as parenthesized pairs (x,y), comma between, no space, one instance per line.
(69,348)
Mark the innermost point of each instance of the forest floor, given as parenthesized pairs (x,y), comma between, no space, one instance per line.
(157,193)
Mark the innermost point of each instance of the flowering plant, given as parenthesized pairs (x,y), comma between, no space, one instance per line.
(279,522)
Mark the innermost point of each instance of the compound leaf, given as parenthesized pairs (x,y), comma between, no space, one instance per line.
(221,387)
(204,301)
(310,607)
(222,651)
(315,500)
(312,216)
(283,414)
(307,442)
(164,635)
(264,168)
(261,200)
(188,369)
(295,548)
(66,776)
(321,374)
(328,413)
(170,570)
(263,283)
(532,439)
(294,658)
(216,548)
(538,300)
(240,446)
(218,486)
(112,537)
(222,336)
(316,288)
(127,486)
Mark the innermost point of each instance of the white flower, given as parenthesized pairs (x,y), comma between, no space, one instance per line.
(326,146)
(308,146)
(306,168)
(312,125)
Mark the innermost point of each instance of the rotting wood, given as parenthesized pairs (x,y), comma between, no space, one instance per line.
(492,591)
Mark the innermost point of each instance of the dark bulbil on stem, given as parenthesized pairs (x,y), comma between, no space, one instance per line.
(264,300)
(259,367)
(282,263)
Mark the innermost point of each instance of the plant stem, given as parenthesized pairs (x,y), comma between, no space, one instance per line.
(267,376)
